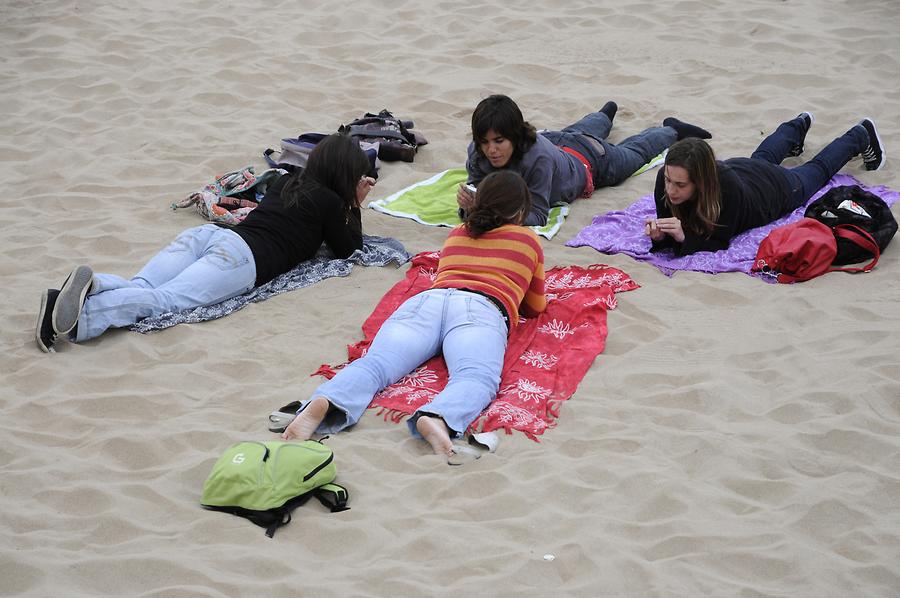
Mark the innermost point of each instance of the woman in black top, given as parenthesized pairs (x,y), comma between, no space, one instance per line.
(208,264)
(701,203)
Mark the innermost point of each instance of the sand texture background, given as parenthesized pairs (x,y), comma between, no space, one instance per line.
(735,438)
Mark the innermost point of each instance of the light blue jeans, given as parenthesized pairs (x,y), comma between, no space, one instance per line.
(467,327)
(202,266)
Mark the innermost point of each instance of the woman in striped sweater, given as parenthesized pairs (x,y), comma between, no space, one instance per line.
(491,270)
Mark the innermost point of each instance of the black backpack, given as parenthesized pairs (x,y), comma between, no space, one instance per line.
(395,137)
(854,205)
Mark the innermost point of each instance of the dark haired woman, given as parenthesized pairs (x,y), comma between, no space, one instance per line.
(559,165)
(208,264)
(702,203)
(491,269)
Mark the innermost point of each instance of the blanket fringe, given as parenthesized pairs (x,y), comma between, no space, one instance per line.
(325,371)
(478,425)
(395,415)
(553,406)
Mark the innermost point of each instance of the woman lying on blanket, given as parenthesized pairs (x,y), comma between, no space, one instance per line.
(208,264)
(701,203)
(559,165)
(491,269)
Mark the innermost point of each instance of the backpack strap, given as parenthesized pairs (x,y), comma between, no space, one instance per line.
(862,238)
(267,156)
(284,518)
(332,496)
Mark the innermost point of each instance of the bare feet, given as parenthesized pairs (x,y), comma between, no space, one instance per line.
(436,432)
(306,423)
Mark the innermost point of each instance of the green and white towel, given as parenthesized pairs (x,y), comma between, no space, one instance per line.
(433,201)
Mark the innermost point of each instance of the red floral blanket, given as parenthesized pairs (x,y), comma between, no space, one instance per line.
(546,357)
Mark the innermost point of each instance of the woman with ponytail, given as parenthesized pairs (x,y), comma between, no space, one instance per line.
(491,270)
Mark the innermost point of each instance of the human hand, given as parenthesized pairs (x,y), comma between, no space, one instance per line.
(651,229)
(363,187)
(672,227)
(464,197)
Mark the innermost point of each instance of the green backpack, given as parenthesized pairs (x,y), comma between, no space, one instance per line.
(265,481)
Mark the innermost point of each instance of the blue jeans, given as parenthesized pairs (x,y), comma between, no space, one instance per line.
(466,327)
(808,178)
(202,266)
(612,164)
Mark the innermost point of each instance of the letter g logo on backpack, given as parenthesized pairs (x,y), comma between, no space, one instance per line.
(238,458)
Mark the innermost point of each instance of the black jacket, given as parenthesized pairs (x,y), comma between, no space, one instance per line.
(754,193)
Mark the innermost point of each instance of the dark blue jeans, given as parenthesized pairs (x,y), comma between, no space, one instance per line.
(611,164)
(808,178)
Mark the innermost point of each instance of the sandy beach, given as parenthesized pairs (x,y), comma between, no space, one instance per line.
(735,438)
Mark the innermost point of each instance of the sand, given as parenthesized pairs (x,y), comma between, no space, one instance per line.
(735,438)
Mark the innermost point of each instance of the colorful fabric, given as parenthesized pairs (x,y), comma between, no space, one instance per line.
(433,202)
(510,267)
(546,357)
(231,196)
(376,251)
(623,232)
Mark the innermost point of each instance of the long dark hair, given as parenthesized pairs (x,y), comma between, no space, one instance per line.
(502,198)
(500,113)
(338,163)
(700,214)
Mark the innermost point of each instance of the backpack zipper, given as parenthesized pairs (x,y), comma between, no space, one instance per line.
(315,470)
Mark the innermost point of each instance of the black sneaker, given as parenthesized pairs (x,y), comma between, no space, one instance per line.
(808,120)
(873,156)
(44,335)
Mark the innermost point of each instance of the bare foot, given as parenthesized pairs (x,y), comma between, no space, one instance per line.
(436,432)
(306,423)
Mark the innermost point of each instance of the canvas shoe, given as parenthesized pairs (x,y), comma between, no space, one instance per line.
(808,120)
(71,299)
(44,335)
(873,156)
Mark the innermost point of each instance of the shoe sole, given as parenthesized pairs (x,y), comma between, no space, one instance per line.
(281,419)
(71,299)
(878,139)
(39,325)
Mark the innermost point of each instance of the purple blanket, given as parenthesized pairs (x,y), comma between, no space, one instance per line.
(623,232)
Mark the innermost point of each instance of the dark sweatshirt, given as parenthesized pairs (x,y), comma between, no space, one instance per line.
(281,237)
(754,193)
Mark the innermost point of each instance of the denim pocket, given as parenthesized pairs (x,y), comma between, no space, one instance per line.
(481,311)
(227,251)
(410,308)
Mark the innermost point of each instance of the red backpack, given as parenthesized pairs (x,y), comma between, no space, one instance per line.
(806,248)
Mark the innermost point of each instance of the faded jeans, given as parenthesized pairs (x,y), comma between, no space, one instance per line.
(202,266)
(466,327)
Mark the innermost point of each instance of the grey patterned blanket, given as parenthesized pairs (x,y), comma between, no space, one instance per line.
(376,251)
